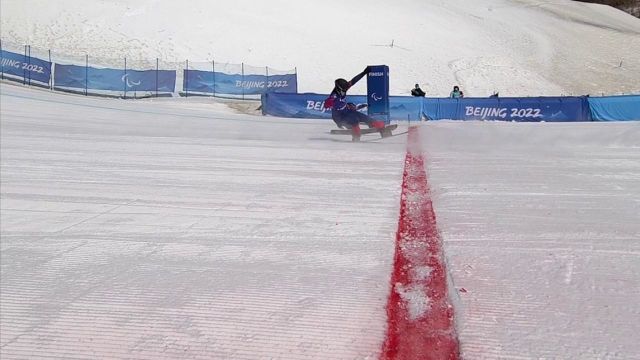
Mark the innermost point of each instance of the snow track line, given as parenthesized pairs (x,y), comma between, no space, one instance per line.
(419,314)
(129,110)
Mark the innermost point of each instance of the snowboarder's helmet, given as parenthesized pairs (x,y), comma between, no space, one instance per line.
(342,84)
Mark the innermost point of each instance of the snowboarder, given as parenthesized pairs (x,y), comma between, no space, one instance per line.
(345,114)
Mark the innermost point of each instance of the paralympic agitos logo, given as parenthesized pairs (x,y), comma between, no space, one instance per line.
(128,82)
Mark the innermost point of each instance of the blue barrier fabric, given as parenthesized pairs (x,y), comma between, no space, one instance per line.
(508,109)
(237,84)
(414,108)
(25,66)
(303,106)
(311,106)
(405,108)
(615,108)
(74,76)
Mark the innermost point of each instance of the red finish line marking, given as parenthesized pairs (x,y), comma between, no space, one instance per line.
(419,314)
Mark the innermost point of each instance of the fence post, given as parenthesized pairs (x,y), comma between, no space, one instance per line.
(50,72)
(157,67)
(86,75)
(242,82)
(185,81)
(125,77)
(24,71)
(29,65)
(1,65)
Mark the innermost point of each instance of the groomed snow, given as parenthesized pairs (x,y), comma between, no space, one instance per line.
(541,224)
(163,229)
(179,228)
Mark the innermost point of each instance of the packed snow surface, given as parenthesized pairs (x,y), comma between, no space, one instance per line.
(179,228)
(164,229)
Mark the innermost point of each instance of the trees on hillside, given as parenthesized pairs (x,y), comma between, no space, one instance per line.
(630,6)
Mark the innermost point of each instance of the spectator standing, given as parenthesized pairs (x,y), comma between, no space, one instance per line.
(416,91)
(456,93)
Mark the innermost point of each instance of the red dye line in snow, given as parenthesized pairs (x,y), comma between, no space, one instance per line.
(420,316)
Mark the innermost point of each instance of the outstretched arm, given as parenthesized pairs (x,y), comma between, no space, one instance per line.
(342,92)
(359,76)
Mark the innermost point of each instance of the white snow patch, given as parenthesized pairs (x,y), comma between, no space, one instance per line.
(414,251)
(414,198)
(421,273)
(415,298)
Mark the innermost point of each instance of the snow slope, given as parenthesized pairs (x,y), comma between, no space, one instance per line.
(518,47)
(542,230)
(179,229)
(171,230)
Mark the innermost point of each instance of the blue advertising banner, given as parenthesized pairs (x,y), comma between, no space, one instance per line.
(311,106)
(74,76)
(302,106)
(405,108)
(220,83)
(25,66)
(508,109)
(615,108)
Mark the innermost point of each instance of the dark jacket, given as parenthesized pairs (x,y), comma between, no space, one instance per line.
(417,92)
(337,100)
(341,112)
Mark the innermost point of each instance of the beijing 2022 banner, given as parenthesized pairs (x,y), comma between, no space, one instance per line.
(25,66)
(74,76)
(533,109)
(311,106)
(220,83)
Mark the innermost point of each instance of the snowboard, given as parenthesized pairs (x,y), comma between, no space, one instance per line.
(384,132)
